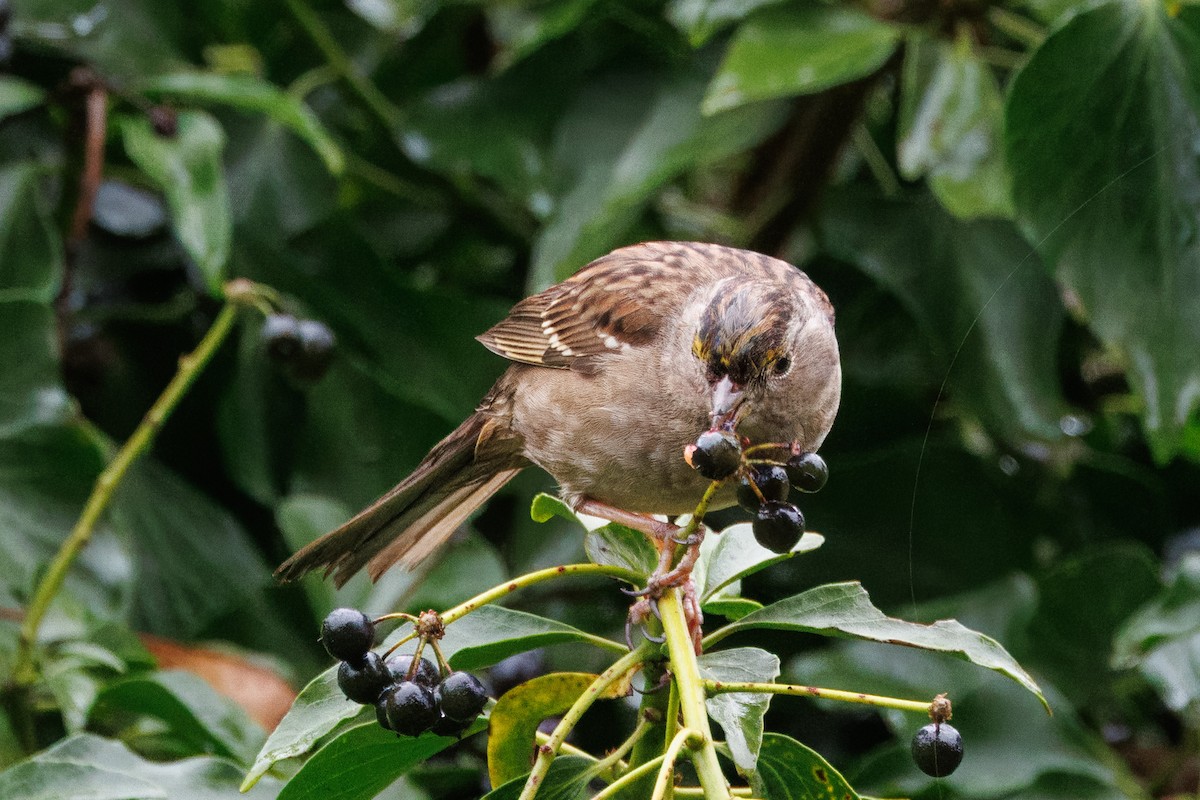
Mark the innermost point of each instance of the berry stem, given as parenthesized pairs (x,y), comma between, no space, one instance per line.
(724,687)
(691,693)
(442,663)
(238,293)
(546,752)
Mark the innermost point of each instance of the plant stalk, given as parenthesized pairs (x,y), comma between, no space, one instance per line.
(724,687)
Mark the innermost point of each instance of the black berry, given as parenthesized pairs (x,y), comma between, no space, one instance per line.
(381,711)
(937,749)
(778,526)
(807,472)
(281,335)
(771,480)
(717,455)
(347,634)
(426,673)
(365,680)
(450,727)
(410,708)
(461,696)
(317,345)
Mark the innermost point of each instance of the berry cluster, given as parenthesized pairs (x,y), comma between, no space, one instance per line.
(764,485)
(410,695)
(303,347)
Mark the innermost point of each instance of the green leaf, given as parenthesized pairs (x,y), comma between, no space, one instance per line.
(622,140)
(737,554)
(701,19)
(951,128)
(187,167)
(30,254)
(317,711)
(492,633)
(17,95)
(546,506)
(363,760)
(988,313)
(798,49)
(787,770)
(1101,125)
(195,561)
(731,608)
(88,767)
(31,390)
(740,714)
(198,718)
(844,610)
(567,780)
(248,93)
(519,711)
(617,546)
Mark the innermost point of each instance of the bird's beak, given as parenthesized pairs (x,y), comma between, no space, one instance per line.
(726,398)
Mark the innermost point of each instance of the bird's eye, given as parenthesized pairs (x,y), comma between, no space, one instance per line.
(782,365)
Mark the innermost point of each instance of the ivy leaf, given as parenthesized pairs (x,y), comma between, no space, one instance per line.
(787,770)
(1106,181)
(740,714)
(492,633)
(844,610)
(617,546)
(187,167)
(798,49)
(248,93)
(519,712)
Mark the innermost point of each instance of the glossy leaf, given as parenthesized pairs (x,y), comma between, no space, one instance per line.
(492,634)
(567,780)
(187,168)
(519,712)
(798,49)
(740,714)
(17,96)
(701,19)
(737,554)
(248,93)
(546,506)
(952,128)
(1106,181)
(788,770)
(30,254)
(844,610)
(617,546)
(363,760)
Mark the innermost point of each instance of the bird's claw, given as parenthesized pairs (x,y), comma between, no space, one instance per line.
(639,613)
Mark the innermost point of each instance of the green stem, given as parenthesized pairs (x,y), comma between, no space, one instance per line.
(666,773)
(1023,30)
(549,750)
(612,765)
(691,695)
(190,366)
(629,779)
(654,711)
(724,687)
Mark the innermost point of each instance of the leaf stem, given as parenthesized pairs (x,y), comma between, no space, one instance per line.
(666,772)
(549,750)
(612,764)
(724,687)
(629,778)
(691,695)
(237,293)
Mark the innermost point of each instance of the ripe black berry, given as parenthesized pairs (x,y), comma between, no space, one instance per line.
(281,335)
(778,526)
(461,696)
(937,749)
(365,680)
(426,673)
(807,472)
(347,634)
(717,455)
(450,727)
(410,708)
(771,480)
(316,350)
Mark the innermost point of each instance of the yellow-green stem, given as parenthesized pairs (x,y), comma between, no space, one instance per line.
(723,687)
(629,778)
(666,772)
(190,366)
(549,750)
(691,695)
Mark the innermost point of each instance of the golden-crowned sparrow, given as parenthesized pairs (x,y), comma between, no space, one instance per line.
(617,369)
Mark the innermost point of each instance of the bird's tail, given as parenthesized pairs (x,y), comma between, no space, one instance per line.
(418,515)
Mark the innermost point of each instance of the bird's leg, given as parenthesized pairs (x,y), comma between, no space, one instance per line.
(668,574)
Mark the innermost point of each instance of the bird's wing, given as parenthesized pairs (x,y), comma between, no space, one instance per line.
(618,301)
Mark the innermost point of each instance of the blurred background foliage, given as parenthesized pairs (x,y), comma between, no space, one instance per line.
(1002,200)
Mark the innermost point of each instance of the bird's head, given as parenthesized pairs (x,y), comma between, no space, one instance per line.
(756,340)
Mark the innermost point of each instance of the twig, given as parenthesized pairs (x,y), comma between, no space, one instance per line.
(666,772)
(723,687)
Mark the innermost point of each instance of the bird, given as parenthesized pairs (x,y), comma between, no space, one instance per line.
(614,372)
